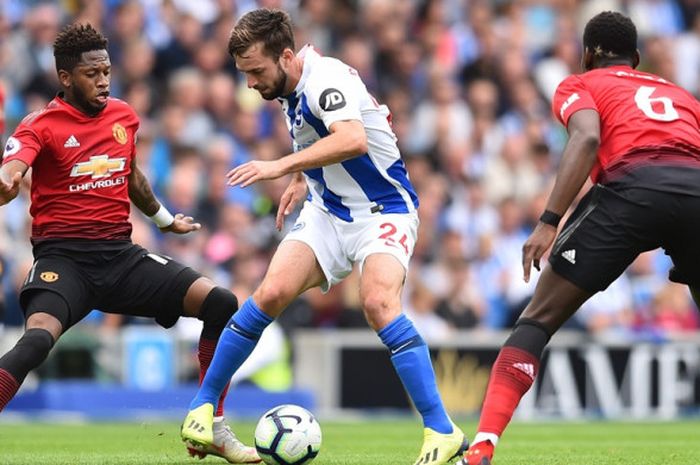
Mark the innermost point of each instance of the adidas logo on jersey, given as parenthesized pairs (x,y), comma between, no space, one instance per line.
(527,368)
(71,142)
(570,256)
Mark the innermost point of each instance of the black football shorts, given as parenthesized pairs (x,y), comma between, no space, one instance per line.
(609,228)
(111,276)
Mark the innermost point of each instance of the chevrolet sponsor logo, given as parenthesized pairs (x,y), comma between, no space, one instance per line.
(99,184)
(99,166)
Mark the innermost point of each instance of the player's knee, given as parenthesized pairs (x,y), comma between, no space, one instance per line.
(273,296)
(379,309)
(29,352)
(529,335)
(218,307)
(46,322)
(545,313)
(47,310)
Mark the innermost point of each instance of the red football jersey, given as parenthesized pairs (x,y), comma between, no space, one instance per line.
(80,168)
(641,115)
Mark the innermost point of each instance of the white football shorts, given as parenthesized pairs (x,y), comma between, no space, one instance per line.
(338,244)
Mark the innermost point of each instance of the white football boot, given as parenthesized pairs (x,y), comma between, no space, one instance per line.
(225,445)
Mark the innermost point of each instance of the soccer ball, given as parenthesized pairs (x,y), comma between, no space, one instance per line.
(288,435)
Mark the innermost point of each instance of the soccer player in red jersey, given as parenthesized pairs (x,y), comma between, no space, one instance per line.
(636,135)
(81,148)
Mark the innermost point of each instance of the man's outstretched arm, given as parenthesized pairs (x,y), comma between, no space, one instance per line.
(11,175)
(347,139)
(140,192)
(141,195)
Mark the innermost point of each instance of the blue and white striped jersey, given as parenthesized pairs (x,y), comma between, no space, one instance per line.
(364,186)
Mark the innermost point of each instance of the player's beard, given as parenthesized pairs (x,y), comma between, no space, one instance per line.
(278,87)
(86,105)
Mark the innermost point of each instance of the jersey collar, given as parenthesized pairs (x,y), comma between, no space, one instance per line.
(61,101)
(309,54)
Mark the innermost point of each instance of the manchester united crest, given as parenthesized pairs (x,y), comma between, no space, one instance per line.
(119,133)
(49,276)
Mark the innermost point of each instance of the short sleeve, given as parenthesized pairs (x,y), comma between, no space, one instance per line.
(571,96)
(24,145)
(334,96)
(132,125)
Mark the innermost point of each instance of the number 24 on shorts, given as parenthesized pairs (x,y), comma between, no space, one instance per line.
(389,236)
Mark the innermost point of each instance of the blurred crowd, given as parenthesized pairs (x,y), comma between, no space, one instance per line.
(469,84)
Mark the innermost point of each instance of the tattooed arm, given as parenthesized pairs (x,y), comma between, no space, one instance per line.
(140,192)
(142,196)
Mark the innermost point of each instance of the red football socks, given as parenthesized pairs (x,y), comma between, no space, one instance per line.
(8,388)
(206,353)
(511,376)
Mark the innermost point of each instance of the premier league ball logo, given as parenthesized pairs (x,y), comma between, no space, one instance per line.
(11,147)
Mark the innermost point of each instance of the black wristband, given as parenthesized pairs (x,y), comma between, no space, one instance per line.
(550,218)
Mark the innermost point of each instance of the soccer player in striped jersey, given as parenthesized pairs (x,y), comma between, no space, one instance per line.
(360,208)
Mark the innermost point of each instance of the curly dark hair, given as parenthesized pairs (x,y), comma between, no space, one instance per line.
(271,27)
(73,41)
(610,34)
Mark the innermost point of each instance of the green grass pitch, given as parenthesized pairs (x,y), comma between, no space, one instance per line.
(358,443)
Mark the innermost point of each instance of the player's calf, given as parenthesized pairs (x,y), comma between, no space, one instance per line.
(218,307)
(512,375)
(29,352)
(216,311)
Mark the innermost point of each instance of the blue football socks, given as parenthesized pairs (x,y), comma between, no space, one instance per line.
(236,343)
(411,359)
